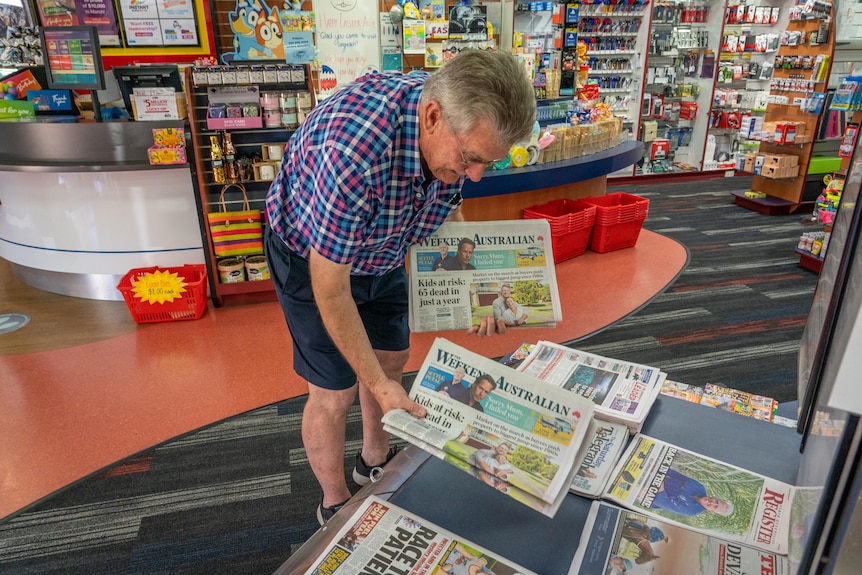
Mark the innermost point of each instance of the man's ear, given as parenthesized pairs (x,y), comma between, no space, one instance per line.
(432,117)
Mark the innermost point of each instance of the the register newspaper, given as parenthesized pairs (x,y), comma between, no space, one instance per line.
(384,539)
(467,270)
(513,432)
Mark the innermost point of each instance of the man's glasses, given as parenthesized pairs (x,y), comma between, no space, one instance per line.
(466,160)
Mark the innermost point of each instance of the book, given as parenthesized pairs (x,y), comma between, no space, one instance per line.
(381,537)
(467,270)
(684,488)
(616,540)
(512,432)
(622,392)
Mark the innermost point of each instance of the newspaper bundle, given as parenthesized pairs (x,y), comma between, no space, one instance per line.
(623,392)
(616,541)
(685,488)
(468,270)
(384,538)
(513,432)
(598,457)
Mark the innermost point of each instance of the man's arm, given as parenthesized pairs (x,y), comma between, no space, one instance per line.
(330,283)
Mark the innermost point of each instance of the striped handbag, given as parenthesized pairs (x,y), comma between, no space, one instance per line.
(237,233)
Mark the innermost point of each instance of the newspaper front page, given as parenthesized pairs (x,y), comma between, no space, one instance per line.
(622,392)
(685,488)
(468,270)
(514,433)
(384,539)
(616,541)
(598,457)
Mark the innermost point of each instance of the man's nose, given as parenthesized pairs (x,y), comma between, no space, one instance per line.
(475,172)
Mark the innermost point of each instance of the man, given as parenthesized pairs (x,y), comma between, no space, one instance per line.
(492,465)
(686,496)
(455,380)
(499,305)
(473,395)
(440,263)
(462,258)
(374,168)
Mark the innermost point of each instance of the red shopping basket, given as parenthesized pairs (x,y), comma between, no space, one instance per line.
(619,219)
(188,304)
(570,223)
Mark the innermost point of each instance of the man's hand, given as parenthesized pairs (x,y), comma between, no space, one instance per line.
(488,326)
(391,395)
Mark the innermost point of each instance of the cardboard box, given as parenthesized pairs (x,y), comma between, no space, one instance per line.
(758,164)
(748,166)
(659,149)
(780,160)
(650,130)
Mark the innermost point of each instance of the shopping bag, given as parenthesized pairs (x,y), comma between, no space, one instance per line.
(236,233)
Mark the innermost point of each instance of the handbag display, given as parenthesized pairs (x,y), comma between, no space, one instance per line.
(236,233)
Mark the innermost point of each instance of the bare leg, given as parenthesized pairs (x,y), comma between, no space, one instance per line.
(324,423)
(375,441)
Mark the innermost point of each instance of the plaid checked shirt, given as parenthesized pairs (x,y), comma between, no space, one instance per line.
(351,185)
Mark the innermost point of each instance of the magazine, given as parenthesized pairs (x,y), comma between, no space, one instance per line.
(685,488)
(618,541)
(514,433)
(468,270)
(381,537)
(682,391)
(622,392)
(740,402)
(602,448)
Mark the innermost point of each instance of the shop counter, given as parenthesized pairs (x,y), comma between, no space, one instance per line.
(80,205)
(456,501)
(503,194)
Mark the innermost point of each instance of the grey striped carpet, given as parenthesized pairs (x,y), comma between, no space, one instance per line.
(238,497)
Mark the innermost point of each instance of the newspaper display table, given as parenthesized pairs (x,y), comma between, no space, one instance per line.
(441,494)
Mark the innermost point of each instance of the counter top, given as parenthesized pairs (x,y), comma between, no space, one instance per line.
(514,180)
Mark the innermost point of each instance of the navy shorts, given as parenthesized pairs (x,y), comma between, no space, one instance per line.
(382,303)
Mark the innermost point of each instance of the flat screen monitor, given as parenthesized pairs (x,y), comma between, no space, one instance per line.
(131,77)
(73,58)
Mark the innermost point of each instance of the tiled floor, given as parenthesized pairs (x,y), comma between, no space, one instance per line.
(83,387)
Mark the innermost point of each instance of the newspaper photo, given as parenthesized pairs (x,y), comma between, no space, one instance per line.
(598,457)
(622,392)
(685,488)
(616,541)
(514,433)
(468,270)
(382,538)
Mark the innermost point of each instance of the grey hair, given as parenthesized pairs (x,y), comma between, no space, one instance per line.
(485,84)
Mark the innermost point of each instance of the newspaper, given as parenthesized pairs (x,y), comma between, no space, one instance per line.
(683,391)
(740,402)
(382,538)
(514,433)
(598,456)
(623,392)
(467,270)
(685,488)
(616,541)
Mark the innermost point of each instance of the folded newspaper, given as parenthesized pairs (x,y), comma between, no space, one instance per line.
(689,489)
(598,457)
(618,541)
(381,537)
(468,270)
(623,392)
(514,433)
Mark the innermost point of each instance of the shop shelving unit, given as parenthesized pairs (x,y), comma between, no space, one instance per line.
(784,195)
(207,192)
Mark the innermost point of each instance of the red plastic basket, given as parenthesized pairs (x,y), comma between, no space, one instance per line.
(619,219)
(570,223)
(191,304)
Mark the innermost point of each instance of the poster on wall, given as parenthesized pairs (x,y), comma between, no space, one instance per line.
(159,22)
(258,31)
(414,36)
(348,39)
(98,13)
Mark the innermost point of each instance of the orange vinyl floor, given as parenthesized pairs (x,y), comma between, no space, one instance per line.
(73,405)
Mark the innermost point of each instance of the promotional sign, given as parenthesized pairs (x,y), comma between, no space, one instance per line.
(348,38)
(98,13)
(159,22)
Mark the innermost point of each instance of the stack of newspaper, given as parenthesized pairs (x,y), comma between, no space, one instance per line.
(511,431)
(622,392)
(468,270)
(384,538)
(689,513)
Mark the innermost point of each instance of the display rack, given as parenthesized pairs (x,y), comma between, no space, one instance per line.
(680,75)
(248,141)
(797,93)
